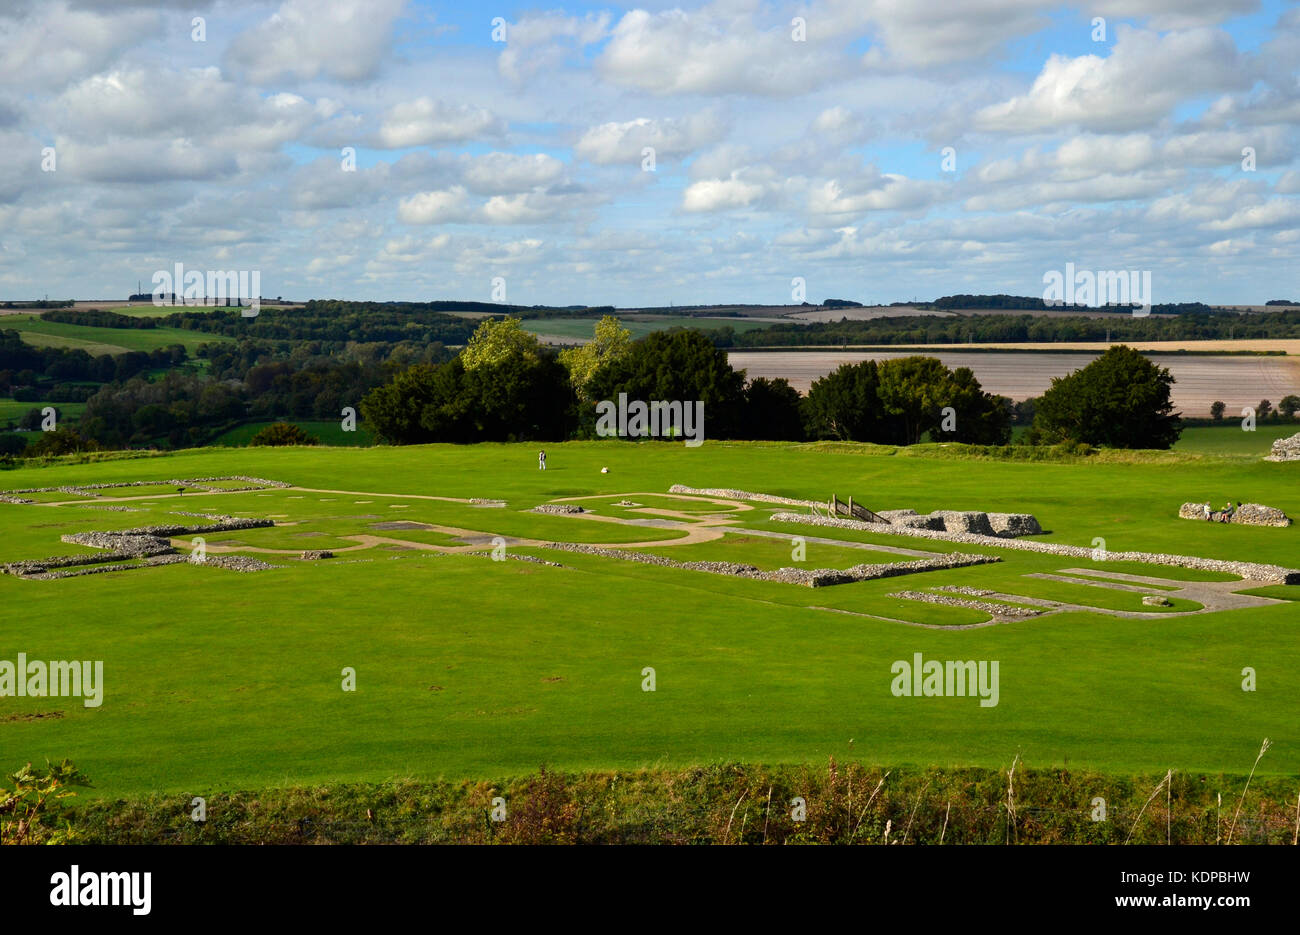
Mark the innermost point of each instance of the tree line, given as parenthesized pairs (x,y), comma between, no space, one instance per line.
(999,329)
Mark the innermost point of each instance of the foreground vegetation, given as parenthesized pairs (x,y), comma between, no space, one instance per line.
(834,803)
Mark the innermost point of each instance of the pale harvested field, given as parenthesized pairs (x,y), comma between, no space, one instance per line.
(1285,345)
(1238,381)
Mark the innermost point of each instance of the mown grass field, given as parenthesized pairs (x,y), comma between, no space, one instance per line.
(1232,439)
(468,668)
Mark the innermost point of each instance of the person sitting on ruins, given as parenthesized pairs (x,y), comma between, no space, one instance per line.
(1209,514)
(1226,515)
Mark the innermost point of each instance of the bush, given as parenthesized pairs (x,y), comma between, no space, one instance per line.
(283,433)
(24,808)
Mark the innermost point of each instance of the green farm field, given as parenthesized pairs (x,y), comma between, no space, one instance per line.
(13,409)
(638,325)
(1231,439)
(328,433)
(467,668)
(98,341)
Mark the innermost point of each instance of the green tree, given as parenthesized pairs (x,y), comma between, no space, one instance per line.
(1216,409)
(62,441)
(520,398)
(1289,405)
(980,418)
(1120,400)
(1263,409)
(394,411)
(845,404)
(516,398)
(773,410)
(279,434)
(677,365)
(496,340)
(914,390)
(610,342)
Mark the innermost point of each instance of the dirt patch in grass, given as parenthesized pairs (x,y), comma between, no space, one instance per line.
(399,524)
(32,716)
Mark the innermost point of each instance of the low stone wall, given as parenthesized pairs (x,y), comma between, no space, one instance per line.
(236,563)
(1013,525)
(727,493)
(315,555)
(557,508)
(88,490)
(962,521)
(131,544)
(1272,574)
(1285,449)
(151,543)
(1248,514)
(28,568)
(808,577)
(988,607)
(1005,525)
(511,556)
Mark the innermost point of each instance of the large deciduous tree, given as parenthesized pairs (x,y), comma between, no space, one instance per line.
(845,405)
(610,342)
(1120,400)
(677,365)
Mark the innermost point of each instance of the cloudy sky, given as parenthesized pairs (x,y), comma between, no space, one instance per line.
(881,150)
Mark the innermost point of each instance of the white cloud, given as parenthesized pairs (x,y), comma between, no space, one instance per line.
(615,143)
(1141,81)
(425,121)
(507,173)
(303,39)
(720,194)
(436,207)
(541,41)
(53,45)
(717,49)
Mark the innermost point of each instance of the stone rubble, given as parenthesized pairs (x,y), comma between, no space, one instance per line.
(1248,514)
(236,563)
(557,508)
(996,610)
(808,577)
(151,543)
(1285,449)
(727,493)
(1003,525)
(1271,574)
(88,490)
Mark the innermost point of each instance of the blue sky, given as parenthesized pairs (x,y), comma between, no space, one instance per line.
(775,158)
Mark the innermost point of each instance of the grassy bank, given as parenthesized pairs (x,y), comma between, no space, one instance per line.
(844,803)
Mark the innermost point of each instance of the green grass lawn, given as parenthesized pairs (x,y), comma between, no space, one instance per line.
(328,433)
(98,341)
(467,667)
(1231,439)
